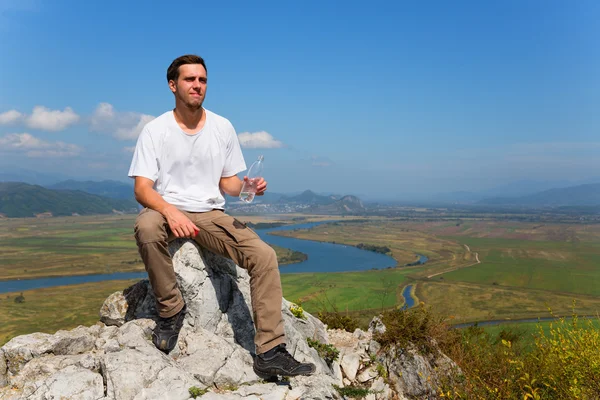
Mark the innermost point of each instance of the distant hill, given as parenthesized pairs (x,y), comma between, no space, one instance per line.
(309,197)
(503,194)
(345,205)
(18,199)
(107,188)
(526,187)
(581,195)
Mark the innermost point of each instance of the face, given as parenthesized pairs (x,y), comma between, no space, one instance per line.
(190,87)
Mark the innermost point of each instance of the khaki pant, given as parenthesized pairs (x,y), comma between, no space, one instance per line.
(226,236)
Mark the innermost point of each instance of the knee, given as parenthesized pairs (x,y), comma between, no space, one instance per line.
(266,258)
(150,227)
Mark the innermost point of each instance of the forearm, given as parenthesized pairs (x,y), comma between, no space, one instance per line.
(231,185)
(148,197)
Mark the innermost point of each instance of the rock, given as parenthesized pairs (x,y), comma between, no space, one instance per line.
(367,375)
(113,309)
(115,359)
(135,373)
(374,347)
(417,375)
(20,350)
(3,369)
(350,363)
(376,325)
(381,391)
(72,382)
(337,373)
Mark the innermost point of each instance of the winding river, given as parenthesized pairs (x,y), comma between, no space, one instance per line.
(322,257)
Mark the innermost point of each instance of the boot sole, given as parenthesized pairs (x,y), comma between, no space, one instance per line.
(274,373)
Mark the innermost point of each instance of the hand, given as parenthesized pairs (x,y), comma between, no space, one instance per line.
(261,187)
(259,183)
(180,224)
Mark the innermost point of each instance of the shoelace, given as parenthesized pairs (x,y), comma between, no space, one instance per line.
(289,357)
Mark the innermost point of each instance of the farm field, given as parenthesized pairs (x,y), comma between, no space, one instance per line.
(47,247)
(50,309)
(524,268)
(527,330)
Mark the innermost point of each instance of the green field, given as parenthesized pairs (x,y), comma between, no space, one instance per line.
(525,270)
(527,330)
(50,309)
(44,247)
(346,291)
(548,265)
(76,246)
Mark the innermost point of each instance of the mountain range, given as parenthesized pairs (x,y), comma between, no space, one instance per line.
(581,195)
(107,188)
(316,203)
(18,199)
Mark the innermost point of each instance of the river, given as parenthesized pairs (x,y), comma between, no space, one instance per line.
(322,257)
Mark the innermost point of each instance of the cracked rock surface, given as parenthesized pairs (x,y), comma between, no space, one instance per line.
(115,359)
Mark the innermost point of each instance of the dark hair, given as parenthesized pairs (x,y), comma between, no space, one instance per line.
(173,70)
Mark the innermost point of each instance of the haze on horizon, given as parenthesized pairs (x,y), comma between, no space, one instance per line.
(381,100)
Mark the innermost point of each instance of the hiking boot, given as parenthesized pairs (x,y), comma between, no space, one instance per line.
(166,332)
(278,361)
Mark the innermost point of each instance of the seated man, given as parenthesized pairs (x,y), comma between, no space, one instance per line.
(183,162)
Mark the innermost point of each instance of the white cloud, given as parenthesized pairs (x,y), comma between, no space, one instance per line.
(10,117)
(42,118)
(51,120)
(258,140)
(35,147)
(129,149)
(122,125)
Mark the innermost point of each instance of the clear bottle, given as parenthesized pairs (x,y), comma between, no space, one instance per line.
(254,174)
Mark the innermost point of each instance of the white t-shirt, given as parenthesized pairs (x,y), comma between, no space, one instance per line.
(186,169)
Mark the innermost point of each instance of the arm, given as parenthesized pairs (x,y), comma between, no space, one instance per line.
(180,224)
(232,185)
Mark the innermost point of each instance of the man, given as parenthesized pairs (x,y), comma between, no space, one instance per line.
(183,162)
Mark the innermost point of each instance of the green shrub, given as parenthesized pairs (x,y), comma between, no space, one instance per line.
(326,351)
(417,325)
(382,371)
(562,364)
(335,320)
(352,391)
(196,391)
(297,311)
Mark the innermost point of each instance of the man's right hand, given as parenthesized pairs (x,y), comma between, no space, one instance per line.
(180,224)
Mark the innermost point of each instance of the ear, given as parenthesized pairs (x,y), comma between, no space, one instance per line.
(172,86)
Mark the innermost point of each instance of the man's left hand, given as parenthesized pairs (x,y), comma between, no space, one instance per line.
(261,187)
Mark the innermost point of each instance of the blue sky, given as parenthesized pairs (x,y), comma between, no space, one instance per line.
(380,99)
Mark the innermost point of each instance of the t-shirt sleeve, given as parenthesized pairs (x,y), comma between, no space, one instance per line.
(234,159)
(145,161)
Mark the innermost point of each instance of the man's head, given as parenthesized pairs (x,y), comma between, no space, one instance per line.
(187,80)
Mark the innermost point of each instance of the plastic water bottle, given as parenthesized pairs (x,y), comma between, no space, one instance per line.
(254,174)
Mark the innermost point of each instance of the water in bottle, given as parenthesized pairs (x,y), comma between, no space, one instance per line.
(254,174)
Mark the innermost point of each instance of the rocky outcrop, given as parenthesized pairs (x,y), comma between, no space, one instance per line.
(115,358)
